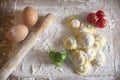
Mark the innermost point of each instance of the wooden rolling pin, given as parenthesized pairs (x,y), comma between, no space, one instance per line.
(25,46)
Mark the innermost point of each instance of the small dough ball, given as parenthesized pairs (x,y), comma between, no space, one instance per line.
(100,39)
(85,40)
(17,33)
(73,23)
(99,60)
(78,57)
(84,69)
(69,42)
(30,16)
(91,53)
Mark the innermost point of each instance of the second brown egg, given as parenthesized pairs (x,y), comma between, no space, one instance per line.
(30,16)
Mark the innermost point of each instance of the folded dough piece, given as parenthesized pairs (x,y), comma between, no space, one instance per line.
(80,60)
(91,53)
(84,69)
(100,39)
(79,31)
(85,40)
(78,57)
(84,29)
(69,42)
(99,60)
(73,23)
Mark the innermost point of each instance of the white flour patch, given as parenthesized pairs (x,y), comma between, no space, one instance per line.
(53,36)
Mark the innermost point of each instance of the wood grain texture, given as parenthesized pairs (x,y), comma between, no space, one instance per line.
(24,47)
(6,18)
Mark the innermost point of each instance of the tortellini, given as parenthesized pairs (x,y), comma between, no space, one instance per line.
(80,60)
(84,69)
(84,46)
(99,60)
(69,42)
(100,39)
(85,40)
(78,57)
(79,31)
(73,23)
(91,28)
(91,53)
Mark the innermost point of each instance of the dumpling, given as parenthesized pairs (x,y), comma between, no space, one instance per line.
(79,31)
(73,23)
(99,38)
(78,57)
(84,29)
(85,40)
(91,53)
(96,45)
(91,28)
(69,42)
(99,60)
(84,69)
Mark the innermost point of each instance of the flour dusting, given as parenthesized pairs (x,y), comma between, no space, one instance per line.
(53,36)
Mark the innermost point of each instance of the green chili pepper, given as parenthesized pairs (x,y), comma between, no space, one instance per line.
(58,63)
(57,57)
(63,56)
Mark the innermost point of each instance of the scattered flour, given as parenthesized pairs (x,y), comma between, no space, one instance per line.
(57,30)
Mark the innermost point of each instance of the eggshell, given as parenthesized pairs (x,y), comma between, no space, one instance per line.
(17,33)
(30,16)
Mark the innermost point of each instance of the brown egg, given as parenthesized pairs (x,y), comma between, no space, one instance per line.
(30,16)
(17,33)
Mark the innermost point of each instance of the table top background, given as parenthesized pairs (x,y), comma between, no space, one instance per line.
(62,9)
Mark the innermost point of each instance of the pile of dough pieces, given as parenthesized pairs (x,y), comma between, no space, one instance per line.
(84,46)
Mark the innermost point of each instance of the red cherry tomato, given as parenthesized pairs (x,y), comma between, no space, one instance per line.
(92,18)
(101,23)
(100,13)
